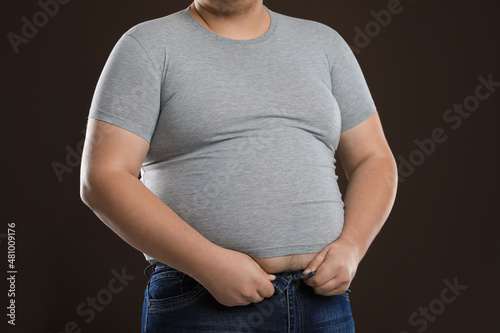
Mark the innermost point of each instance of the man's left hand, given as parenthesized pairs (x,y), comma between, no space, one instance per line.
(335,268)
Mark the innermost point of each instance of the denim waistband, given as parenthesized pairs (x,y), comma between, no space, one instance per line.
(284,279)
(281,282)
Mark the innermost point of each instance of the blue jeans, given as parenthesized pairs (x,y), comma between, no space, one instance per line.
(175,302)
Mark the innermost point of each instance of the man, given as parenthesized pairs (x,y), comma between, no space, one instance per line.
(231,114)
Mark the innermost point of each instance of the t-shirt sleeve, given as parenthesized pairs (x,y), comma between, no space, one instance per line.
(349,86)
(128,91)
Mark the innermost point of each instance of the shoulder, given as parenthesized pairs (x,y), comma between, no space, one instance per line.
(313,35)
(307,28)
(160,29)
(156,37)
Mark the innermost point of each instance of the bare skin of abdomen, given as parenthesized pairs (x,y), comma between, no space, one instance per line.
(294,262)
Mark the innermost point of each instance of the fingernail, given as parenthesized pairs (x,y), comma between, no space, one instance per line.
(307,271)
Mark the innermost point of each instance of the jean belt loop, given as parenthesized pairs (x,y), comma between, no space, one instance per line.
(147,268)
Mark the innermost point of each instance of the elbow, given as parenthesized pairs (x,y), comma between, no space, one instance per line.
(87,192)
(388,173)
(382,167)
(92,183)
(99,187)
(392,172)
(89,189)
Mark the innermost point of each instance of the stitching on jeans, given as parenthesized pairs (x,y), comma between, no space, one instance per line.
(299,305)
(283,305)
(147,308)
(288,304)
(159,304)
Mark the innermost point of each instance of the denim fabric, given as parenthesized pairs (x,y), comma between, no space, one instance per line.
(175,302)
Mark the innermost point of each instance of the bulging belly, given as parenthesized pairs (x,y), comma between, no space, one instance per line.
(294,262)
(270,197)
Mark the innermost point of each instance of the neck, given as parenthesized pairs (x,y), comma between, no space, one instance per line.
(237,19)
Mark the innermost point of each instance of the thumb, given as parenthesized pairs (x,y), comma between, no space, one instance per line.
(271,277)
(314,264)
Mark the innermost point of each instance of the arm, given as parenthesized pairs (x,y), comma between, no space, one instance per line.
(372,181)
(111,162)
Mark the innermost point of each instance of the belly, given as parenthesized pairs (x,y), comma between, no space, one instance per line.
(294,262)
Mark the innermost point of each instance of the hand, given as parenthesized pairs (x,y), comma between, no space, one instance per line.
(336,266)
(234,278)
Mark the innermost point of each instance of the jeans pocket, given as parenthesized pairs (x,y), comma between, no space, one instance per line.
(168,287)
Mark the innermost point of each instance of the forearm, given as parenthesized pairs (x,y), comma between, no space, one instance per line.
(369,197)
(140,218)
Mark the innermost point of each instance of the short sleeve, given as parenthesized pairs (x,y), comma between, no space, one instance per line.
(349,86)
(128,91)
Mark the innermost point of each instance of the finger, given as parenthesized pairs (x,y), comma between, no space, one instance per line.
(258,299)
(315,263)
(340,289)
(267,290)
(325,272)
(326,287)
(271,277)
(265,293)
(330,289)
(322,278)
(334,292)
(319,279)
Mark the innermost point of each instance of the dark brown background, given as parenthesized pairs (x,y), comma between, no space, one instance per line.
(444,224)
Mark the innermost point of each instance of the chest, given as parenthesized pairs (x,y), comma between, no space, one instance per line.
(215,94)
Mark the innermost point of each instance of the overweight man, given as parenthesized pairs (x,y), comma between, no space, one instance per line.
(210,148)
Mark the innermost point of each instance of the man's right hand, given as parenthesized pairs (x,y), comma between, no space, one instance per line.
(234,278)
(111,163)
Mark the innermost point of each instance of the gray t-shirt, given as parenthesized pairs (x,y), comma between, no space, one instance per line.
(242,132)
